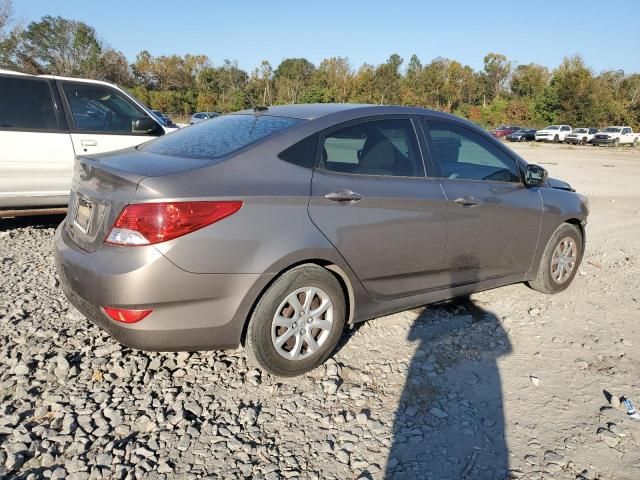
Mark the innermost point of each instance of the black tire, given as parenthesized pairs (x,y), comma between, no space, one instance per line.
(584,141)
(523,139)
(259,346)
(616,142)
(556,139)
(544,281)
(635,143)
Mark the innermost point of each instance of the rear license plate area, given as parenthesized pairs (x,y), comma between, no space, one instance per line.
(83,214)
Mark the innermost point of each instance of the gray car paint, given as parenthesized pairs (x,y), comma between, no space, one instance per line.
(391,251)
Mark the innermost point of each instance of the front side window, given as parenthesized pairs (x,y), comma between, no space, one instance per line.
(379,147)
(219,136)
(626,130)
(26,104)
(566,129)
(465,155)
(99,109)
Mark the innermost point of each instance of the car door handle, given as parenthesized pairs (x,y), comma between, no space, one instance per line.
(467,202)
(89,143)
(344,196)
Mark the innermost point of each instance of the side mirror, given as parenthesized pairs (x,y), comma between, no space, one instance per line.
(144,125)
(535,176)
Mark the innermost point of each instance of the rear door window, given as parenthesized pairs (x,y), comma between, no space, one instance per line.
(26,104)
(220,136)
(379,147)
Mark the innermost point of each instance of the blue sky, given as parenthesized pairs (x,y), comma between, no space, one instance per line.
(365,31)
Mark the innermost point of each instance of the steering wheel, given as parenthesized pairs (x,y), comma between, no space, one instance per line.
(108,120)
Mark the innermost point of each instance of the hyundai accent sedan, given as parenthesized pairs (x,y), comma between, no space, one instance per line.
(275,229)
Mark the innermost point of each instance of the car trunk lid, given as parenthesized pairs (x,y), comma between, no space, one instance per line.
(104,184)
(98,195)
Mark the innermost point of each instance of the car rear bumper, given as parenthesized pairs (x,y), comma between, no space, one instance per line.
(190,311)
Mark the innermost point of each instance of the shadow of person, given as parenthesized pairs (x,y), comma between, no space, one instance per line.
(450,423)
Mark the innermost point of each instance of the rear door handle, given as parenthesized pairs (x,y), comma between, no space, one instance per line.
(88,143)
(344,196)
(467,202)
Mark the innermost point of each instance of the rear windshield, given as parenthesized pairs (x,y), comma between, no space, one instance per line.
(219,136)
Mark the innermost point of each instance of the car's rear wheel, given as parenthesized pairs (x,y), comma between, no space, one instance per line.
(297,322)
(560,260)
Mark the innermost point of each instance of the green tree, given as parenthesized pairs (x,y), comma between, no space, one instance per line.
(59,46)
(9,35)
(497,69)
(291,78)
(529,80)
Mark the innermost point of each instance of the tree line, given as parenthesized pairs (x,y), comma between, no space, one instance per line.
(502,92)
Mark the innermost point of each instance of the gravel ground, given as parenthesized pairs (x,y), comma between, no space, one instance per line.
(505,384)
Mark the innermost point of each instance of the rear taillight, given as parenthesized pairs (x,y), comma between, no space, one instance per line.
(149,223)
(126,315)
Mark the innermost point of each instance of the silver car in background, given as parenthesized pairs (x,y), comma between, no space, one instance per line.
(275,229)
(202,116)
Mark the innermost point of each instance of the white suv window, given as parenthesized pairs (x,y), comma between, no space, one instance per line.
(99,109)
(26,104)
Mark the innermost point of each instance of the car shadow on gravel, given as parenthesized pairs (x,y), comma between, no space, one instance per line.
(450,421)
(37,221)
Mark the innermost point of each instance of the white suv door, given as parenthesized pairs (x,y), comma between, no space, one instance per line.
(105,119)
(36,156)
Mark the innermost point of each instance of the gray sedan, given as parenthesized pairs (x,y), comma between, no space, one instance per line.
(275,229)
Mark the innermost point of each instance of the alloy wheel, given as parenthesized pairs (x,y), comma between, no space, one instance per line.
(302,323)
(563,260)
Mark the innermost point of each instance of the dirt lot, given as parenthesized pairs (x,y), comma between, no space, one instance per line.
(508,384)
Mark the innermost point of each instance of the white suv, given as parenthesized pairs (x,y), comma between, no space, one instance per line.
(45,121)
(553,133)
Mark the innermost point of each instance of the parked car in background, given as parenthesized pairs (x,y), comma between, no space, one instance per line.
(581,136)
(553,133)
(504,130)
(617,135)
(276,229)
(202,116)
(522,135)
(164,119)
(45,121)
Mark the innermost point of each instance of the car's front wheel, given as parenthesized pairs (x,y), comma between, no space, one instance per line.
(297,322)
(560,260)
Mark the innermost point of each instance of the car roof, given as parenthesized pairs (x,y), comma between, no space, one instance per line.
(58,77)
(311,111)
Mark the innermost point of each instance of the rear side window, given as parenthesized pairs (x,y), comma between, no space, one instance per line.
(26,104)
(219,136)
(379,147)
(302,153)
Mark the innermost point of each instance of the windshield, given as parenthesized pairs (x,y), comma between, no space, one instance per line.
(502,127)
(612,130)
(552,127)
(219,136)
(581,130)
